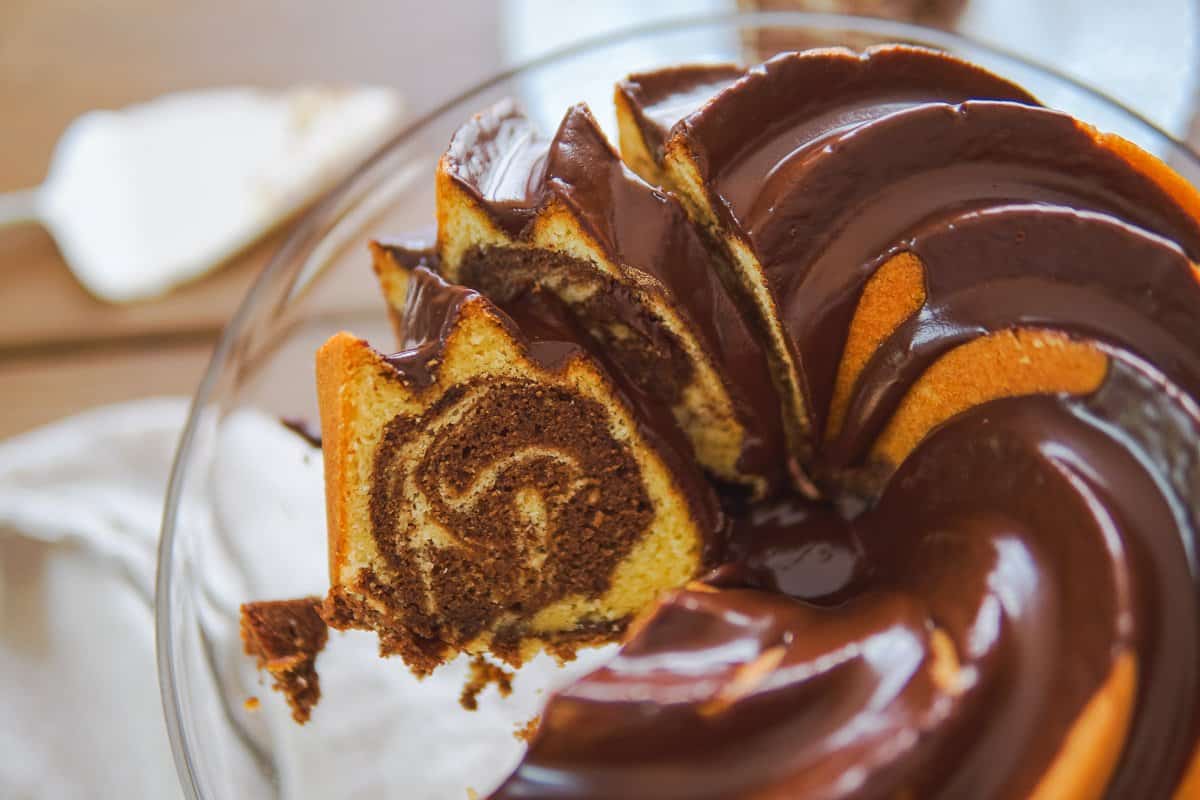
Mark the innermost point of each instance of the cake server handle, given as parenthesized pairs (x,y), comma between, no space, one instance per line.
(20,207)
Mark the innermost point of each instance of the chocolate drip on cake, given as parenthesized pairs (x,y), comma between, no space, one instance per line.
(428,319)
(652,359)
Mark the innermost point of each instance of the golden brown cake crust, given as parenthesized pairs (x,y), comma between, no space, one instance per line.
(338,358)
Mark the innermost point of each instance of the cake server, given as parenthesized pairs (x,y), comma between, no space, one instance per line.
(145,198)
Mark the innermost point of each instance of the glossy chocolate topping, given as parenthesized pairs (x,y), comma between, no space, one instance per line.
(794,98)
(500,153)
(636,226)
(912,166)
(661,98)
(431,310)
(1022,534)
(872,149)
(1023,589)
(1032,266)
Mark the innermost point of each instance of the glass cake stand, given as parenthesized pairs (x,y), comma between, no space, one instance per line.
(244,515)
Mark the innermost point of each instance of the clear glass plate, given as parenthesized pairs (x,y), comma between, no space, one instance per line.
(244,516)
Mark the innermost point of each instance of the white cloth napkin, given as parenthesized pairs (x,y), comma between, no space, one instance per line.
(80,507)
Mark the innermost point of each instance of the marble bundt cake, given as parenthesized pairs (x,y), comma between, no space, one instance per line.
(489,488)
(517,209)
(973,329)
(990,310)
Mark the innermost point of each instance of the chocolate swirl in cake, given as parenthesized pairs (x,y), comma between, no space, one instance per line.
(497,505)
(551,334)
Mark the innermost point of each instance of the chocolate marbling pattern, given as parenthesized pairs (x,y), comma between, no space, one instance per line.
(456,469)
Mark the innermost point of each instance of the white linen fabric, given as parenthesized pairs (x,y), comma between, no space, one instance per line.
(80,716)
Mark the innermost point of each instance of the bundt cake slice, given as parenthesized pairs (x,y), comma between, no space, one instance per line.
(564,214)
(490,489)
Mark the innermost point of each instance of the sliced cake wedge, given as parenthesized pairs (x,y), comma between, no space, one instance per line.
(490,489)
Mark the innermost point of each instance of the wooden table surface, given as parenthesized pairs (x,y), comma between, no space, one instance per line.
(61,350)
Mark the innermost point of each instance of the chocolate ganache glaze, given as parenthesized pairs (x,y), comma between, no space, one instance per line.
(924,161)
(1021,561)
(1030,266)
(1014,608)
(876,148)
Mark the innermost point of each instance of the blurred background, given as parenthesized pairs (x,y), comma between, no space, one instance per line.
(62,350)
